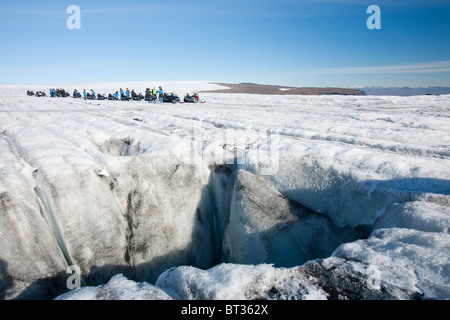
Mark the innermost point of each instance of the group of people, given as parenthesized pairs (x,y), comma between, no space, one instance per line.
(86,95)
(59,93)
(154,95)
(150,95)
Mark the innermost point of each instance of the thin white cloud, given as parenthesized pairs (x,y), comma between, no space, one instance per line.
(425,67)
(384,3)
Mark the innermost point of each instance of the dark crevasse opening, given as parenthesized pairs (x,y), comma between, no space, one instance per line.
(254,223)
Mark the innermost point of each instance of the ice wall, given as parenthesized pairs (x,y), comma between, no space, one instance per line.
(266,227)
(136,215)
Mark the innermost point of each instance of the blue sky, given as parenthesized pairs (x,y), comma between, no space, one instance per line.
(287,42)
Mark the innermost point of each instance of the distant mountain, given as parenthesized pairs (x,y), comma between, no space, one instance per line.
(284,90)
(403,91)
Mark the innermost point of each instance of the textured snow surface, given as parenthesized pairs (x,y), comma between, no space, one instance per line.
(118,288)
(242,197)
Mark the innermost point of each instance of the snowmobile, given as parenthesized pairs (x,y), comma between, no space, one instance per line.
(40,94)
(30,93)
(171,97)
(124,98)
(136,97)
(111,97)
(101,97)
(194,98)
(76,94)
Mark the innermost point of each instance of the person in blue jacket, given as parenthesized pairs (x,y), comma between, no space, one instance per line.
(116,95)
(52,93)
(93,94)
(128,93)
(84,94)
(161,94)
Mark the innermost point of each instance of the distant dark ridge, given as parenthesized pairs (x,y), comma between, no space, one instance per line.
(405,91)
(275,90)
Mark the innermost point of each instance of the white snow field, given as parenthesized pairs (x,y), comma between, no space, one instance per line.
(241,197)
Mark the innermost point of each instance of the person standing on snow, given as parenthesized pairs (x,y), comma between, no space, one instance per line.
(93,94)
(161,94)
(84,93)
(128,93)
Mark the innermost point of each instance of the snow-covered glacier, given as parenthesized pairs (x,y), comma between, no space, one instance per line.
(242,197)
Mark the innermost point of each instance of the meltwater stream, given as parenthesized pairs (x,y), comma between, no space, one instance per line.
(50,216)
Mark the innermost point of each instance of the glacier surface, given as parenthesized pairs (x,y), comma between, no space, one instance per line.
(242,197)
